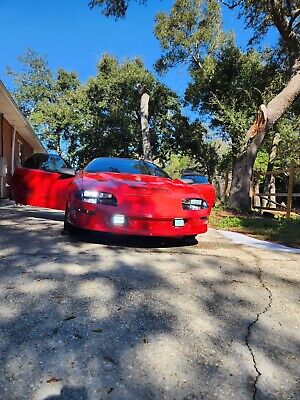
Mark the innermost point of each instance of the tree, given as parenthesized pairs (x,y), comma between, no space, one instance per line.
(116,8)
(289,144)
(240,82)
(191,139)
(192,34)
(284,16)
(102,117)
(113,112)
(60,118)
(229,88)
(33,84)
(52,104)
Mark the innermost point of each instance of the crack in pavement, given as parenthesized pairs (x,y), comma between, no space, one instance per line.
(252,324)
(259,276)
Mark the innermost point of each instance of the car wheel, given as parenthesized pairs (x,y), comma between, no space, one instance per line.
(67,226)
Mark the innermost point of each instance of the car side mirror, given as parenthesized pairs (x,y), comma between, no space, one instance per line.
(67,171)
(188,181)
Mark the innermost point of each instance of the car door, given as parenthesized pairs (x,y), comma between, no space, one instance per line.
(39,182)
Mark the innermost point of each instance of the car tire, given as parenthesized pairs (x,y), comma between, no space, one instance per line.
(67,226)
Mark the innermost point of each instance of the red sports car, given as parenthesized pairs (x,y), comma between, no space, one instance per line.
(116,195)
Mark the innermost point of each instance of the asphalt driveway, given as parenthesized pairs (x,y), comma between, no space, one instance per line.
(90,317)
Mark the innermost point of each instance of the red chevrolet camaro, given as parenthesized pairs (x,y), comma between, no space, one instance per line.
(116,195)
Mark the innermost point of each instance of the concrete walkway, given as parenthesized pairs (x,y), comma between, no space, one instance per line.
(245,240)
(91,317)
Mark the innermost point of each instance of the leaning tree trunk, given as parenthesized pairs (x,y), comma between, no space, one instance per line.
(266,117)
(144,107)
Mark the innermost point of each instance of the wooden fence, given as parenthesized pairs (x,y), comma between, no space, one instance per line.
(270,197)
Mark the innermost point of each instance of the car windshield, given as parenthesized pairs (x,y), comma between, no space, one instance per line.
(196,178)
(125,166)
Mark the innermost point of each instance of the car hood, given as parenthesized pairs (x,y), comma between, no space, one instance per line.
(133,184)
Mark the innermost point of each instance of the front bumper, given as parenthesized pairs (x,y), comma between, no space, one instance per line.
(99,218)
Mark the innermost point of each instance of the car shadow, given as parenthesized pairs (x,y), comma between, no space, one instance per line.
(85,236)
(146,242)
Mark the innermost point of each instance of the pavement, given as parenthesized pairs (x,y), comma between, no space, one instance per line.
(90,317)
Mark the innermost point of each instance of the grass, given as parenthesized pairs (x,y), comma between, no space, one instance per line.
(276,229)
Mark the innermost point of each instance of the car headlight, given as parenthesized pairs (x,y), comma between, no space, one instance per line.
(194,204)
(96,197)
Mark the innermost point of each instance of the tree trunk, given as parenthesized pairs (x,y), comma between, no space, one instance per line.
(144,106)
(266,117)
(226,186)
(256,199)
(270,181)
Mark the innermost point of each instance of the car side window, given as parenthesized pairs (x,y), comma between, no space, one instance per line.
(53,163)
(45,162)
(33,162)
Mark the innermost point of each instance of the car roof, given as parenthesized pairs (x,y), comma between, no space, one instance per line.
(118,158)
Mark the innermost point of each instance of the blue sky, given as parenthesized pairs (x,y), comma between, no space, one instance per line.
(74,37)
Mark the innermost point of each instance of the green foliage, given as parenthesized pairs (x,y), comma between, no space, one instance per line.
(288,148)
(192,139)
(265,14)
(277,229)
(116,8)
(52,104)
(227,84)
(190,32)
(102,117)
(177,164)
(112,112)
(262,160)
(287,151)
(34,83)
(232,90)
(225,162)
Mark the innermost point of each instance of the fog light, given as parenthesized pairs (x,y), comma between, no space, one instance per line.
(178,222)
(118,219)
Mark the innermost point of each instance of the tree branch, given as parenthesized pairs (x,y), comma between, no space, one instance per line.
(294,15)
(279,18)
(231,6)
(197,61)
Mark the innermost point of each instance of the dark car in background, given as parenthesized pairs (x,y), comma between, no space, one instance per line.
(195,177)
